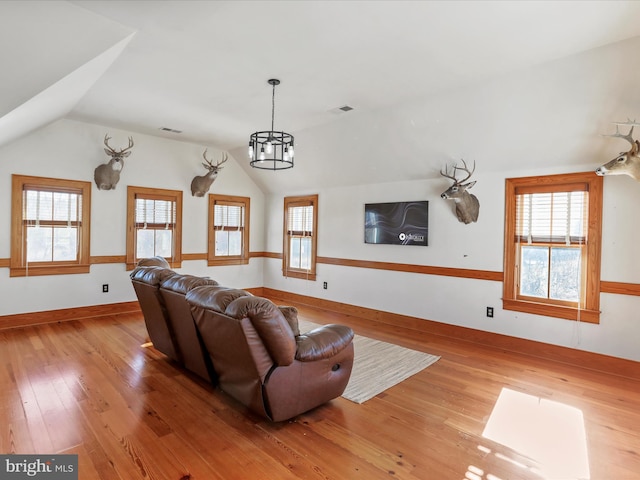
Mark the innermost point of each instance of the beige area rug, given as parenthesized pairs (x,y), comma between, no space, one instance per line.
(378,365)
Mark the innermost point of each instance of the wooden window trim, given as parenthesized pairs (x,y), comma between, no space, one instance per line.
(590,311)
(153,194)
(18,264)
(301,201)
(243,258)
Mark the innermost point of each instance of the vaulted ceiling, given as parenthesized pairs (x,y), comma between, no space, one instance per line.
(201,67)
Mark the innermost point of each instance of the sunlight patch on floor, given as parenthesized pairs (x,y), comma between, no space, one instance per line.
(550,433)
(475,473)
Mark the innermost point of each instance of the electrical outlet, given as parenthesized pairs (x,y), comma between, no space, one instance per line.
(324,285)
(490,312)
(105,288)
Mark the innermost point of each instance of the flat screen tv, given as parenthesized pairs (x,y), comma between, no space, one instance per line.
(397,223)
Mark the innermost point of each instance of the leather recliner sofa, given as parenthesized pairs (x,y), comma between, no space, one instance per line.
(146,282)
(167,316)
(185,334)
(248,346)
(260,357)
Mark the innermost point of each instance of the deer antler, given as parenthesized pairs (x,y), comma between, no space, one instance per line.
(106,143)
(466,169)
(113,152)
(129,147)
(628,122)
(204,155)
(210,162)
(455,169)
(224,159)
(627,137)
(446,174)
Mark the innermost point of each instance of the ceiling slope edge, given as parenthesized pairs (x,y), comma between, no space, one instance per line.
(60,98)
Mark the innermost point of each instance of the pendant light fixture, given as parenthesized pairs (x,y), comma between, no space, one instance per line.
(271,150)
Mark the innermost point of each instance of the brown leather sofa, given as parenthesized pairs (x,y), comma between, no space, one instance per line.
(185,335)
(146,282)
(261,358)
(167,316)
(247,345)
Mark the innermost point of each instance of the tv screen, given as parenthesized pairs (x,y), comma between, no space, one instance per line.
(397,223)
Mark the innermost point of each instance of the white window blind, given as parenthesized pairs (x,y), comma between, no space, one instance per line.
(552,217)
(52,206)
(300,220)
(52,221)
(300,231)
(155,222)
(228,223)
(228,216)
(151,213)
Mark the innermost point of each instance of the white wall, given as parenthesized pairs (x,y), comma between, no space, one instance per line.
(460,301)
(70,149)
(537,122)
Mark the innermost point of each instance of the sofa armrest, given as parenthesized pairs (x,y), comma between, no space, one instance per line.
(323,342)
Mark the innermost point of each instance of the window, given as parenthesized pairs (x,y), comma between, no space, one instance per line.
(552,246)
(300,237)
(228,230)
(49,226)
(154,225)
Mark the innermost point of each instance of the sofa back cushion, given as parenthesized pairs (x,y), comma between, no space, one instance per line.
(154,262)
(146,283)
(151,275)
(194,356)
(270,324)
(180,283)
(241,364)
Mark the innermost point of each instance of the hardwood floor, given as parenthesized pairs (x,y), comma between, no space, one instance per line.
(89,387)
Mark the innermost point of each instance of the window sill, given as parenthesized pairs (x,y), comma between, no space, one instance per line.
(33,271)
(547,310)
(220,262)
(303,275)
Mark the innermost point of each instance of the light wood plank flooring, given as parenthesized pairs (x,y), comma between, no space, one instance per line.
(90,387)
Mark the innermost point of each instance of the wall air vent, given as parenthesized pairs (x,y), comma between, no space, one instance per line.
(171,130)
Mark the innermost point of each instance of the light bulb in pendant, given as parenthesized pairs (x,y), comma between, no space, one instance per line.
(261,157)
(269,147)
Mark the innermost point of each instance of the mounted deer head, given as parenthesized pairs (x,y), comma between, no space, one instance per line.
(467,205)
(107,175)
(626,163)
(201,184)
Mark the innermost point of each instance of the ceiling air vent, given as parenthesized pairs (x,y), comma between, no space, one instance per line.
(342,109)
(171,130)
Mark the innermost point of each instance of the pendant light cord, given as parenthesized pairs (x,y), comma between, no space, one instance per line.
(273,105)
